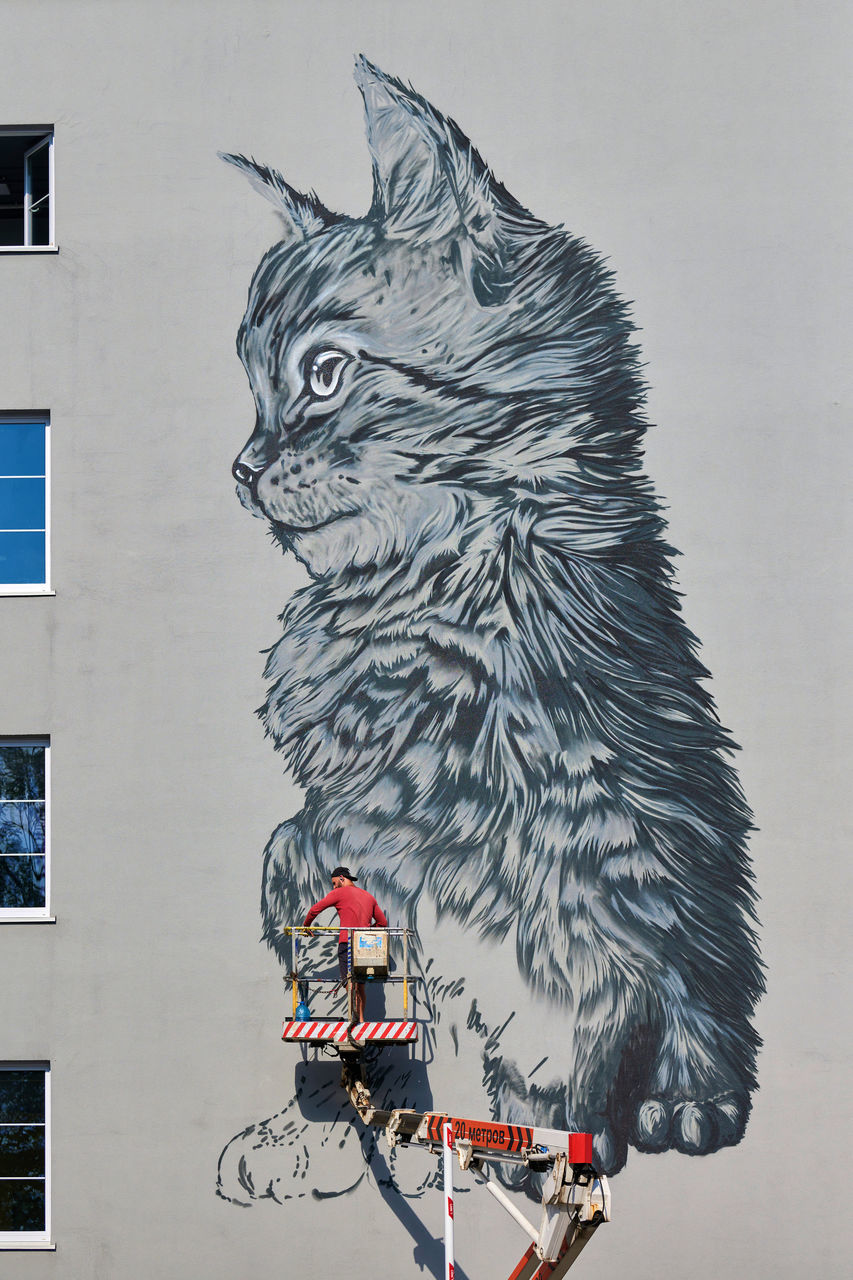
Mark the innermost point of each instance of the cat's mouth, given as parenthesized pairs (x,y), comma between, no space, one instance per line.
(300,508)
(285,532)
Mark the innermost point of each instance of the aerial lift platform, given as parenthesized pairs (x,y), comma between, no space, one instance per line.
(346,1034)
(575,1197)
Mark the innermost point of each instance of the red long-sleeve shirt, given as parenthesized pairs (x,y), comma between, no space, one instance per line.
(356,908)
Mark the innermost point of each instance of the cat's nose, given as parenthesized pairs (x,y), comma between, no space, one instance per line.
(244,474)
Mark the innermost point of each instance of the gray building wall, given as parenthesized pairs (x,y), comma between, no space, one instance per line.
(696,145)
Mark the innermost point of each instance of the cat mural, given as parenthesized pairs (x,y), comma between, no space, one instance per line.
(487,690)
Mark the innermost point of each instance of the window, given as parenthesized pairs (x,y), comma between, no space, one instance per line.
(24,1152)
(24,779)
(24,508)
(26,187)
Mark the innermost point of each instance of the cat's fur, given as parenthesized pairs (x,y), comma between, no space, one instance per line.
(487,690)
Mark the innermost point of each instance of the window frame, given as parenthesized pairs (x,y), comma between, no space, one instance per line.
(34,1239)
(23,915)
(46,141)
(48,136)
(9,419)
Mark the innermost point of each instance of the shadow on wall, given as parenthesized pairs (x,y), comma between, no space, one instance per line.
(281,1159)
(315,1146)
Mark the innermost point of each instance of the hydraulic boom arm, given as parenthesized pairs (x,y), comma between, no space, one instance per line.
(575,1199)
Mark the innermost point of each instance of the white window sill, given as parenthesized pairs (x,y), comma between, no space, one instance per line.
(46,1245)
(29,248)
(4,919)
(26,591)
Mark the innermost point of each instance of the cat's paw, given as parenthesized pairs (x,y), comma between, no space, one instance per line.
(283,1158)
(609,1146)
(695,1126)
(308,1148)
(515,1104)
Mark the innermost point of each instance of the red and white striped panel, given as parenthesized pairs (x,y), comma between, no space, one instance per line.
(319,1032)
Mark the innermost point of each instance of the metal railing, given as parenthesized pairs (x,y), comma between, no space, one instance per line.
(292,931)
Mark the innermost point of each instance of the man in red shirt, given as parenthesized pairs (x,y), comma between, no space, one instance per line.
(357,909)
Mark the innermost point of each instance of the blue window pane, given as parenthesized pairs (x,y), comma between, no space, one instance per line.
(21,771)
(22,882)
(21,1096)
(22,1206)
(22,1151)
(21,504)
(22,557)
(21,449)
(21,827)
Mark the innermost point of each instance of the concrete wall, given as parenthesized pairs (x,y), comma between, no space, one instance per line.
(699,147)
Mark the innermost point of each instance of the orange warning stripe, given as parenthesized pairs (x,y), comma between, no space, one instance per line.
(486,1134)
(341,1032)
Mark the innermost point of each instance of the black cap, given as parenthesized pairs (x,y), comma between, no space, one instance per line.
(342,871)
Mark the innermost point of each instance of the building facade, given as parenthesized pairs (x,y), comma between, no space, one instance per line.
(141,1015)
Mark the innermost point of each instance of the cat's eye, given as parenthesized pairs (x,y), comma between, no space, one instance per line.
(324,371)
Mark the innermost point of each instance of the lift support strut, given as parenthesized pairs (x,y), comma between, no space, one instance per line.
(575,1198)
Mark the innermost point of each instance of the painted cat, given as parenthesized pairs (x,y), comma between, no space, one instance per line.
(486,689)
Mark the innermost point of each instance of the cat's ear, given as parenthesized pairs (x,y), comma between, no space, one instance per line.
(300,213)
(428,181)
